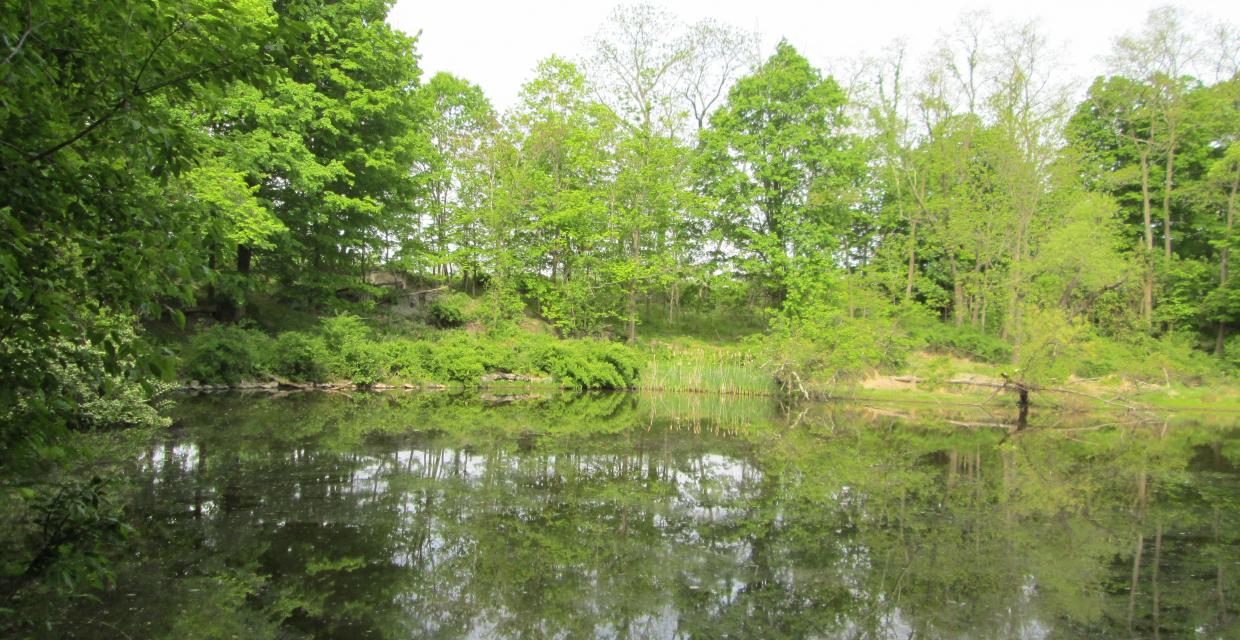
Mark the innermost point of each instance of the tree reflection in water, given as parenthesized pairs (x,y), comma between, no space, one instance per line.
(627,516)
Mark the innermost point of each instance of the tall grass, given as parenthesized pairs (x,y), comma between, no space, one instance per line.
(701,368)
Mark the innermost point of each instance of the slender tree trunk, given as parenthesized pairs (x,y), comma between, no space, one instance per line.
(912,260)
(1017,315)
(1166,205)
(957,293)
(1154,580)
(1136,579)
(245,255)
(1147,284)
(1225,256)
(673,301)
(211,267)
(632,305)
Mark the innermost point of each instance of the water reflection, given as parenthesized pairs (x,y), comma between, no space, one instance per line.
(621,516)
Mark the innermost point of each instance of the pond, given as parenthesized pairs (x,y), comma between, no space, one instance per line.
(411,515)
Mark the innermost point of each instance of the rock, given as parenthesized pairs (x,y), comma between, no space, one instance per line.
(511,377)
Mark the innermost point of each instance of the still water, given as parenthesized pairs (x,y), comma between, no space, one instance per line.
(629,516)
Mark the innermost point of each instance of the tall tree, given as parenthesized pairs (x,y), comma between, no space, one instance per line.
(778,161)
(89,143)
(460,122)
(353,80)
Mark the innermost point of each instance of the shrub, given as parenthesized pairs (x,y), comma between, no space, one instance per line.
(352,353)
(95,397)
(1169,358)
(361,362)
(409,360)
(828,345)
(226,354)
(300,356)
(499,307)
(965,341)
(457,362)
(589,364)
(449,311)
(343,329)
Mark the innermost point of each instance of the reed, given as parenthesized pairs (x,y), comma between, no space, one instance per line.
(702,368)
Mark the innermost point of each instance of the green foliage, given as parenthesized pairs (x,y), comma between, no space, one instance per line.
(1172,358)
(1051,344)
(71,528)
(361,362)
(343,329)
(345,348)
(300,357)
(449,311)
(226,354)
(409,360)
(457,361)
(589,364)
(778,149)
(831,347)
(686,364)
(965,341)
(162,157)
(498,307)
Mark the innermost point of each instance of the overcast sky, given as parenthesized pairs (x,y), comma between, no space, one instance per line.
(496,43)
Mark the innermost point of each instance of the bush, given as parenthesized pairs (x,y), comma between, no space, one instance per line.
(1171,358)
(300,356)
(361,362)
(352,353)
(589,364)
(449,311)
(827,344)
(457,362)
(346,349)
(965,341)
(226,354)
(409,360)
(343,329)
(94,397)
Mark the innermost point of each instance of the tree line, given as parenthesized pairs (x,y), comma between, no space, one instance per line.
(164,157)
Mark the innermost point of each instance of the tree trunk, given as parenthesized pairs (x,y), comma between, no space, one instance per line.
(673,301)
(245,255)
(1225,256)
(912,260)
(632,306)
(1147,284)
(1166,206)
(957,294)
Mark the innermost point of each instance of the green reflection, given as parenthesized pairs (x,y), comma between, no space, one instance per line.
(431,515)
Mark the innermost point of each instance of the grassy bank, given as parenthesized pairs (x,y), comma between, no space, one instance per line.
(345,349)
(454,342)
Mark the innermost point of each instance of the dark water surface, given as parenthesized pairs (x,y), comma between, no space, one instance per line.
(624,516)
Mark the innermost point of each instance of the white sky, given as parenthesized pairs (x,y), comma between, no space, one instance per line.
(496,44)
